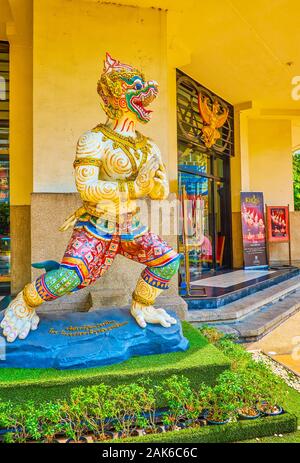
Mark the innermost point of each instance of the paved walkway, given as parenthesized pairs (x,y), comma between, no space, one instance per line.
(283,343)
(289,361)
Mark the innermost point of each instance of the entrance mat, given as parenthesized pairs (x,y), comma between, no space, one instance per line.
(202,362)
(231,432)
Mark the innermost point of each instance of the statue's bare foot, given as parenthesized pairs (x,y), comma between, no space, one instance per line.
(148,314)
(19,319)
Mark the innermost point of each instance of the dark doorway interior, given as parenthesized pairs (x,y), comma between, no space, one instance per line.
(4,170)
(203,183)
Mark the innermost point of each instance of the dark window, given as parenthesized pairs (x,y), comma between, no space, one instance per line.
(4,168)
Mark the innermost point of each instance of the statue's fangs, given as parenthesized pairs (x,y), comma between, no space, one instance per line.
(114,166)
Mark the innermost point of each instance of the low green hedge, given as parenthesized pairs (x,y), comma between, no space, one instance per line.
(203,362)
(231,432)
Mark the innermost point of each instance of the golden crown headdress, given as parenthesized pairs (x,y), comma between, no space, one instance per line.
(109,85)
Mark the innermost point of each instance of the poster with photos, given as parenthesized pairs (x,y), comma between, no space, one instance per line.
(278,224)
(4,181)
(253,229)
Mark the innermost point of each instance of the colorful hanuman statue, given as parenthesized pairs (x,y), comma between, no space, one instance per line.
(114,166)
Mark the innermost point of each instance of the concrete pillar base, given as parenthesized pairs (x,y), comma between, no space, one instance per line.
(118,298)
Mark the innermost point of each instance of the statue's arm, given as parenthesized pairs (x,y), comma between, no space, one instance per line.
(89,154)
(160,189)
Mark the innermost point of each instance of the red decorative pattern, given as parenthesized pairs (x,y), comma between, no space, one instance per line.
(43,291)
(92,256)
(144,248)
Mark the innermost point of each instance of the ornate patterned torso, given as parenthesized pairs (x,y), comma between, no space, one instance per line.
(118,158)
(121,157)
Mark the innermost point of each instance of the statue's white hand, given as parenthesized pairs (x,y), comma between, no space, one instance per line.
(160,189)
(145,178)
(18,320)
(144,315)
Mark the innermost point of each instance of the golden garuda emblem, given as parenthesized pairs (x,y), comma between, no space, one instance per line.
(214,117)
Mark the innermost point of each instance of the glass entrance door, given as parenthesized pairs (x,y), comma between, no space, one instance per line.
(205,145)
(196,221)
(205,219)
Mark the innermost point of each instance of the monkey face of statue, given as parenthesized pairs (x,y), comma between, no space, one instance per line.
(139,95)
(125,91)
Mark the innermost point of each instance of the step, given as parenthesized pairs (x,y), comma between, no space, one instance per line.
(219,297)
(256,325)
(239,309)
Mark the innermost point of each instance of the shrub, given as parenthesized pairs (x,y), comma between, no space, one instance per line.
(179,397)
(258,382)
(212,334)
(127,407)
(225,398)
(239,357)
(21,420)
(73,414)
(271,389)
(149,399)
(50,420)
(97,408)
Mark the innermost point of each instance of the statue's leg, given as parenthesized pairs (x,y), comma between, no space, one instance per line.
(20,316)
(86,258)
(162,264)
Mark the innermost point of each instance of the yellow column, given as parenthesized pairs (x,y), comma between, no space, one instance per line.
(19,32)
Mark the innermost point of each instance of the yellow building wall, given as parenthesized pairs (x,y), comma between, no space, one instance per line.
(270,160)
(70,41)
(296,134)
(18,32)
(21,166)
(236,181)
(263,162)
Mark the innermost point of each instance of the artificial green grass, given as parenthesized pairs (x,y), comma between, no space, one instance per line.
(203,362)
(293,405)
(240,359)
(231,432)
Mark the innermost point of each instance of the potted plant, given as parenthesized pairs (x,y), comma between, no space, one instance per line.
(223,400)
(22,422)
(7,424)
(73,417)
(272,394)
(198,407)
(239,357)
(126,403)
(219,410)
(180,399)
(51,425)
(248,383)
(98,410)
(147,420)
